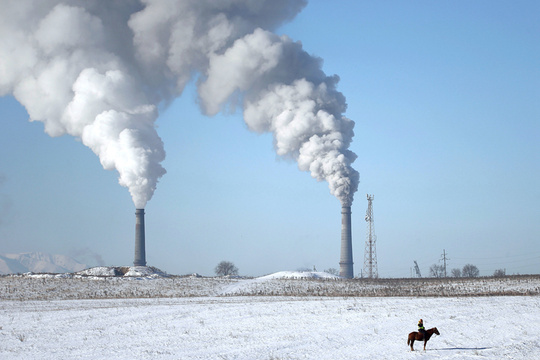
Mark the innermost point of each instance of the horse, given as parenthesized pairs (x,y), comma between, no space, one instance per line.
(415,335)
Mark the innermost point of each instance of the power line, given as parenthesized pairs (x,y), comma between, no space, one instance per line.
(497,257)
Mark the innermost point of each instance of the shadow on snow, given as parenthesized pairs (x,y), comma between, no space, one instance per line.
(464,348)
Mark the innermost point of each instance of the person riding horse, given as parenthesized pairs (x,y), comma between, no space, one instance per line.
(421,335)
(421,328)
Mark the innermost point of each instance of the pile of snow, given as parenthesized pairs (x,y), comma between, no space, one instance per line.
(125,271)
(301,275)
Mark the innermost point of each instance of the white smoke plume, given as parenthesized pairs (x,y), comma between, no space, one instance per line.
(97,70)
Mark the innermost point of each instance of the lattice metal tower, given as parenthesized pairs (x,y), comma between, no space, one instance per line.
(370,254)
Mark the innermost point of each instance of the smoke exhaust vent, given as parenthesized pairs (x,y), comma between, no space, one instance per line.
(346,261)
(140,253)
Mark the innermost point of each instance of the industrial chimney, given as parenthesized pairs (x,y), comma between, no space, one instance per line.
(346,262)
(140,254)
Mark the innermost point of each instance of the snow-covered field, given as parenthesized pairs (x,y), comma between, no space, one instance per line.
(269,328)
(211,321)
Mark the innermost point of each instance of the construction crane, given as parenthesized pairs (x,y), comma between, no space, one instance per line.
(417,269)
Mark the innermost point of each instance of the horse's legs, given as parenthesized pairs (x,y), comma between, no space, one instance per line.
(412,343)
(425,341)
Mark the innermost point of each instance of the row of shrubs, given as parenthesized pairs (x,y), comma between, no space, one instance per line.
(51,288)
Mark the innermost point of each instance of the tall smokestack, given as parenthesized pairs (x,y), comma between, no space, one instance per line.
(140,254)
(346,262)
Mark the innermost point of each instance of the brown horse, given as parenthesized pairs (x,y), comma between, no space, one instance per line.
(415,335)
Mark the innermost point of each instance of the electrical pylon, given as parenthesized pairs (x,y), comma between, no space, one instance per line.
(370,254)
(444,259)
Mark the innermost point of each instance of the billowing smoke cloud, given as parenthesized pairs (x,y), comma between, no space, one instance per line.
(87,256)
(98,69)
(71,69)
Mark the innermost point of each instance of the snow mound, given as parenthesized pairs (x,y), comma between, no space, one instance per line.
(99,271)
(301,275)
(145,271)
(125,271)
(270,284)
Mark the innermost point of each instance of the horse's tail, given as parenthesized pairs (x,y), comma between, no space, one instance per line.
(409,340)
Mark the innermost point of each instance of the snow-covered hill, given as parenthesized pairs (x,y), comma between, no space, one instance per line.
(38,262)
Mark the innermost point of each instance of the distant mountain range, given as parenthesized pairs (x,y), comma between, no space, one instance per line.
(38,262)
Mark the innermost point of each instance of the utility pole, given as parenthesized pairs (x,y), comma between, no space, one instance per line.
(444,259)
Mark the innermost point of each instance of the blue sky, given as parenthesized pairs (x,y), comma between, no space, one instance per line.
(445,96)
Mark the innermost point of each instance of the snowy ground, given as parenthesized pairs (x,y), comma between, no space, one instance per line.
(270,328)
(150,316)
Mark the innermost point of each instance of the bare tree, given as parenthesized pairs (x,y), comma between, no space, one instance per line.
(225,268)
(332,271)
(499,273)
(456,272)
(436,271)
(470,270)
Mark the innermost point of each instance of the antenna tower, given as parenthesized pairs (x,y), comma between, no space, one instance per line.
(370,254)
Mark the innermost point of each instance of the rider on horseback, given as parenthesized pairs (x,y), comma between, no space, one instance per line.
(421,329)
